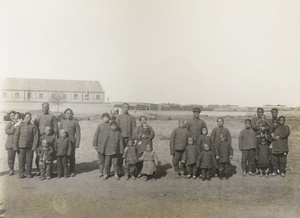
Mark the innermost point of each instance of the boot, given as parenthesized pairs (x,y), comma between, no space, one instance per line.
(221,175)
(226,176)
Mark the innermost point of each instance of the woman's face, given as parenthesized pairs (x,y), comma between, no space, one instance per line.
(12,116)
(143,120)
(16,116)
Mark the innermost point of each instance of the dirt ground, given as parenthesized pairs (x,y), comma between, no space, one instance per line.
(87,195)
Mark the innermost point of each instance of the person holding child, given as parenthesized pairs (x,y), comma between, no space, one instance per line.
(178,143)
(224,154)
(99,142)
(150,162)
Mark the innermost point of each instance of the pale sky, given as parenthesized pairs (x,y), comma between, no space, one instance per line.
(190,52)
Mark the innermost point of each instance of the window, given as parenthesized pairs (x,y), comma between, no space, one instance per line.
(52,95)
(28,95)
(98,97)
(75,96)
(4,95)
(64,96)
(17,95)
(41,95)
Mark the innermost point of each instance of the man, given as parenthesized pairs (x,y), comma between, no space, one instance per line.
(195,125)
(46,119)
(274,120)
(217,131)
(72,128)
(259,124)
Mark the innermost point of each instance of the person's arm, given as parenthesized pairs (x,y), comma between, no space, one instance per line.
(212,137)
(9,129)
(77,134)
(125,153)
(95,140)
(69,148)
(199,159)
(217,150)
(136,133)
(155,159)
(55,126)
(256,152)
(172,142)
(141,158)
(230,151)
(35,138)
(16,139)
(285,133)
(152,134)
(118,121)
(228,137)
(121,141)
(241,136)
(133,125)
(253,124)
(188,125)
(184,156)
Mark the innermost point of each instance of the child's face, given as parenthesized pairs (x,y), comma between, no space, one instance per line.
(206,147)
(63,133)
(45,144)
(27,118)
(222,138)
(281,121)
(48,130)
(220,122)
(113,127)
(143,120)
(148,148)
(68,114)
(130,143)
(105,119)
(204,131)
(16,116)
(260,113)
(247,124)
(263,142)
(190,141)
(181,124)
(274,113)
(12,116)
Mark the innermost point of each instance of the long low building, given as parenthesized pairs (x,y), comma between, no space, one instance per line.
(41,90)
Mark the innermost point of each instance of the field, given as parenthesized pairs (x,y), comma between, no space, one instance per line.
(87,195)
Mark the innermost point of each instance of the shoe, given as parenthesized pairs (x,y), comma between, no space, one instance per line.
(48,177)
(43,178)
(251,174)
(244,173)
(274,174)
(194,177)
(73,174)
(22,176)
(139,176)
(133,177)
(181,173)
(100,175)
(105,177)
(188,176)
(146,179)
(65,177)
(261,175)
(153,179)
(117,177)
(11,172)
(267,175)
(200,176)
(30,176)
(282,174)
(37,173)
(177,175)
(208,179)
(127,178)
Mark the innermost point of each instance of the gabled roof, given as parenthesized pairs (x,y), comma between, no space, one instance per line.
(51,85)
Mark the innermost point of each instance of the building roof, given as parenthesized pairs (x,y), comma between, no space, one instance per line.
(51,85)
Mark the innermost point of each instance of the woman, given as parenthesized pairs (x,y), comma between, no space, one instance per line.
(143,134)
(10,131)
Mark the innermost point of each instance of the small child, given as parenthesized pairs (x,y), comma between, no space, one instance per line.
(130,158)
(204,139)
(145,133)
(190,159)
(205,161)
(25,143)
(113,144)
(63,150)
(50,138)
(264,126)
(224,153)
(263,156)
(247,145)
(280,147)
(45,153)
(178,142)
(150,162)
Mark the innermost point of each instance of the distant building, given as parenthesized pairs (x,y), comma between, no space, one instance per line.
(41,90)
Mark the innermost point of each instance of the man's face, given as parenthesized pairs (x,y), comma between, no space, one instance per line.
(196,115)
(113,127)
(247,124)
(143,120)
(281,121)
(45,108)
(125,108)
(274,113)
(105,119)
(220,122)
(27,118)
(260,113)
(204,131)
(12,116)
(69,115)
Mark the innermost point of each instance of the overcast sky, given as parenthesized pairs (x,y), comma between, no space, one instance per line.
(201,52)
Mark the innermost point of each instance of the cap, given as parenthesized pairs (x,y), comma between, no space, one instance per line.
(196,109)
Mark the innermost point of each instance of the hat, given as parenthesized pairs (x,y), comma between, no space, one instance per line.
(196,109)
(105,115)
(113,123)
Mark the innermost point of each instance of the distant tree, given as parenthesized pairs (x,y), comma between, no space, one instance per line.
(57,98)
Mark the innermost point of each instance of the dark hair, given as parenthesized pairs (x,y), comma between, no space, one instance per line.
(125,104)
(68,109)
(45,103)
(105,115)
(260,108)
(12,112)
(113,123)
(248,120)
(274,109)
(220,118)
(282,117)
(27,113)
(141,117)
(130,140)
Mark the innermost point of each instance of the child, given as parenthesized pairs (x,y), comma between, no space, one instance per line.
(205,161)
(98,141)
(130,158)
(190,158)
(263,156)
(63,150)
(113,144)
(25,142)
(49,136)
(264,126)
(204,139)
(45,153)
(178,142)
(280,147)
(247,145)
(145,133)
(150,162)
(224,153)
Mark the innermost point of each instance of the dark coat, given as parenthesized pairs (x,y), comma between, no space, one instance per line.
(9,130)
(50,139)
(26,136)
(206,159)
(99,137)
(147,139)
(63,147)
(263,154)
(44,120)
(255,127)
(215,135)
(247,139)
(195,126)
(130,155)
(224,150)
(281,145)
(73,129)
(127,124)
(113,143)
(205,139)
(178,140)
(45,155)
(190,155)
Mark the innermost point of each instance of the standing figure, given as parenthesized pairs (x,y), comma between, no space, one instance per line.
(189,158)
(263,157)
(130,158)
(205,162)
(45,153)
(195,125)
(224,154)
(10,131)
(150,162)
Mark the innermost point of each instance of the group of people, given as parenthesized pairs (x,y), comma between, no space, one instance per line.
(129,148)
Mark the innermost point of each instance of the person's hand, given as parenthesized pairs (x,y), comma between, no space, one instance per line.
(183,161)
(277,137)
(230,157)
(217,157)
(284,153)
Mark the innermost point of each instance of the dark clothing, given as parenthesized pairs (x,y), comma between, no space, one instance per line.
(206,159)
(73,129)
(63,147)
(44,120)
(25,156)
(111,159)
(274,124)
(101,161)
(248,156)
(281,145)
(46,169)
(254,125)
(71,158)
(224,150)
(205,172)
(215,135)
(176,160)
(279,162)
(263,156)
(50,139)
(11,155)
(9,130)
(46,155)
(150,161)
(191,169)
(205,139)
(130,155)
(62,166)
(247,139)
(130,169)
(127,124)
(99,137)
(224,167)
(190,155)
(178,140)
(195,126)
(26,136)
(144,136)
(113,143)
